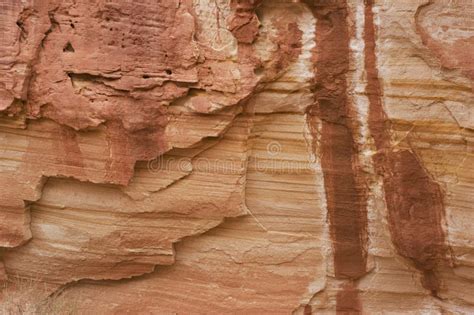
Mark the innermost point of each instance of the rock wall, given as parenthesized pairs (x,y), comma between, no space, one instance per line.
(237,156)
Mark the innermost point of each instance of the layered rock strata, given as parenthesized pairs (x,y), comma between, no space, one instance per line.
(225,156)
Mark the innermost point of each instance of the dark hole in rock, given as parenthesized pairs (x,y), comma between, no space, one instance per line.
(168,72)
(259,70)
(68,48)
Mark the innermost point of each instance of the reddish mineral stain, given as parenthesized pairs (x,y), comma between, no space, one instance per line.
(289,41)
(243,23)
(345,193)
(456,55)
(347,301)
(414,200)
(119,167)
(72,154)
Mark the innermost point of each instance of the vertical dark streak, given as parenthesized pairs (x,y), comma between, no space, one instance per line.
(345,190)
(347,301)
(414,200)
(345,193)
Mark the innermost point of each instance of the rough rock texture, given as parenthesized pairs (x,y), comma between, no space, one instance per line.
(238,156)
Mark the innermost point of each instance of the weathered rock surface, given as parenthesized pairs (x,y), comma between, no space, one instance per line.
(247,156)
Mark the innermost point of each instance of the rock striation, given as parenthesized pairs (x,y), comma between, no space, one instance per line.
(237,156)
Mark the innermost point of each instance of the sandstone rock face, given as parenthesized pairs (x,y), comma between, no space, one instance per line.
(237,156)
